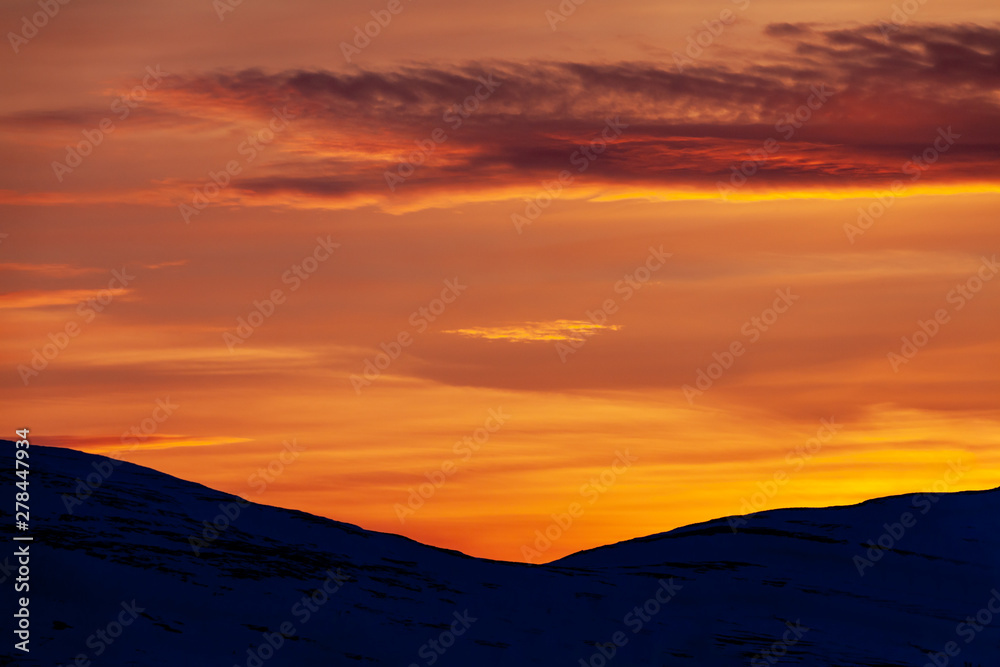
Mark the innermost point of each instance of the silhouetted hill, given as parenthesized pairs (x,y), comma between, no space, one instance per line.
(785,588)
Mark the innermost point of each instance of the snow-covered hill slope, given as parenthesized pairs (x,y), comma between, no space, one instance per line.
(117,582)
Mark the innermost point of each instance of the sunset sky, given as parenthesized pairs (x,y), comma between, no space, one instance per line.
(556,221)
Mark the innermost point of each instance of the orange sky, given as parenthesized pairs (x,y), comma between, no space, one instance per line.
(558,261)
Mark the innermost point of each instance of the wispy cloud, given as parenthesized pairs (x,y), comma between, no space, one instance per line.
(53,270)
(41,299)
(537,331)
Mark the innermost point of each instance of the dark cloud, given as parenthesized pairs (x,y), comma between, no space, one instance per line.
(887,97)
(883,97)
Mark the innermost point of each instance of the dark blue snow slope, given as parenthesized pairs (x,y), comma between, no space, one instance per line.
(117,582)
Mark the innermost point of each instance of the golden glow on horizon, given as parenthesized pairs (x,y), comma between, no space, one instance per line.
(169,197)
